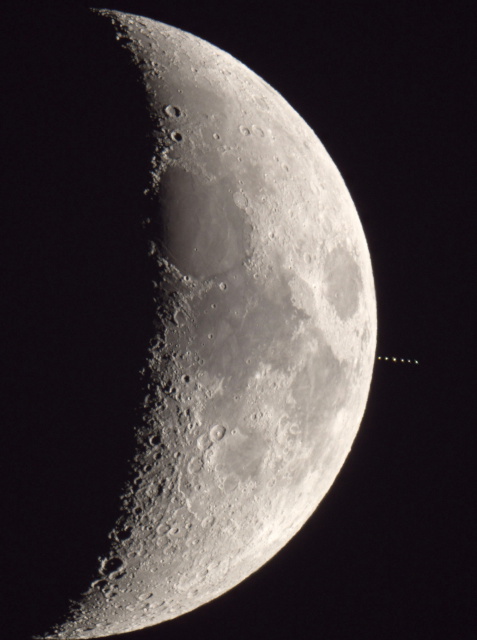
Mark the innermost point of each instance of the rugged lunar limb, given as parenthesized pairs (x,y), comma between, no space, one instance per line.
(261,363)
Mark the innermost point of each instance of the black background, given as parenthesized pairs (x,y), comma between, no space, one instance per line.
(390,90)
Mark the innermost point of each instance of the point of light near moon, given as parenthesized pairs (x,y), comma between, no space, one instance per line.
(402,360)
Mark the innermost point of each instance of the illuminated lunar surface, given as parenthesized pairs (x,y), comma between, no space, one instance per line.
(260,365)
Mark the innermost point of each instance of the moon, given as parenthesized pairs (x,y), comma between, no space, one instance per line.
(261,358)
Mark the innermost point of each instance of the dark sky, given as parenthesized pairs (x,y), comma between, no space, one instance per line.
(390,90)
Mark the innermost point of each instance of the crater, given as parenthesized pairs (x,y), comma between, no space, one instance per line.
(217,432)
(172,111)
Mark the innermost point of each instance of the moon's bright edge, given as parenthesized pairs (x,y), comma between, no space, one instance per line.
(260,366)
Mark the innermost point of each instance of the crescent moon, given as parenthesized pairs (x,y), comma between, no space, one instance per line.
(260,366)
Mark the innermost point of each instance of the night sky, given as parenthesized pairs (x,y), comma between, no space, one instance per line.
(390,90)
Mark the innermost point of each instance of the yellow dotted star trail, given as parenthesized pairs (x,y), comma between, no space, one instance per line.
(393,359)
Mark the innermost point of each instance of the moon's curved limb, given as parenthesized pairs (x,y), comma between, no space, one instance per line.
(261,364)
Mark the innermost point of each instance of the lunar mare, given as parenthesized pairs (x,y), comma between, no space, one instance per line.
(262,354)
